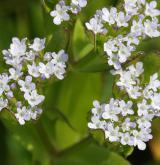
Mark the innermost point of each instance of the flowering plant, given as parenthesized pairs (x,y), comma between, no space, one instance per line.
(104,53)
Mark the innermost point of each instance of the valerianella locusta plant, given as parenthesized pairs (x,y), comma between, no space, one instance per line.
(63,11)
(20,87)
(127,119)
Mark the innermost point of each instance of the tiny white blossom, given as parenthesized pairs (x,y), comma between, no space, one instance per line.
(112,133)
(154,83)
(111,110)
(17,47)
(151,28)
(38,44)
(150,9)
(33,70)
(15,74)
(34,98)
(3,103)
(22,115)
(143,108)
(60,13)
(44,69)
(109,16)
(138,140)
(122,19)
(156,101)
(4,80)
(126,108)
(126,139)
(27,85)
(81,3)
(96,26)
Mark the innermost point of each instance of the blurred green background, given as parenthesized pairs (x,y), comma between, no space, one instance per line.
(61,136)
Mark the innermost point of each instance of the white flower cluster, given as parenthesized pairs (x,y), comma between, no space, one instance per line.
(61,11)
(28,65)
(144,24)
(128,121)
(121,124)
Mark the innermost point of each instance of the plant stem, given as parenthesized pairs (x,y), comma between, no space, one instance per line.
(49,146)
(95,42)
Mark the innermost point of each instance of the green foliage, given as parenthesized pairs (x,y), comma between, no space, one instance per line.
(89,153)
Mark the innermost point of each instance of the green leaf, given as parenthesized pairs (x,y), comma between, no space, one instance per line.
(73,97)
(81,45)
(89,153)
(93,62)
(151,65)
(27,137)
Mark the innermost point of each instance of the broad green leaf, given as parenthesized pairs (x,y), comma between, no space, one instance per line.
(151,65)
(73,97)
(30,137)
(89,153)
(93,62)
(81,45)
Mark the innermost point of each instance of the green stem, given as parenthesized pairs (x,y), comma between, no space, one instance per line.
(45,139)
(95,42)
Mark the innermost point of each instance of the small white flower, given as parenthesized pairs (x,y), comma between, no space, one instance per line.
(124,52)
(147,92)
(137,27)
(30,56)
(3,103)
(138,142)
(17,47)
(61,56)
(81,3)
(15,74)
(44,69)
(96,123)
(33,98)
(134,91)
(126,108)
(27,85)
(151,28)
(144,122)
(127,125)
(38,44)
(131,7)
(110,46)
(33,70)
(126,139)
(96,26)
(131,40)
(4,80)
(150,9)
(109,16)
(111,110)
(112,133)
(154,83)
(60,13)
(22,115)
(143,108)
(136,70)
(156,101)
(122,19)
